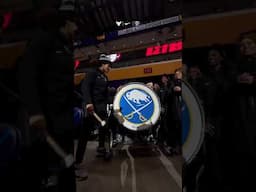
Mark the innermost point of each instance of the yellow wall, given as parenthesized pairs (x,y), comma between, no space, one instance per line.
(9,54)
(220,28)
(159,68)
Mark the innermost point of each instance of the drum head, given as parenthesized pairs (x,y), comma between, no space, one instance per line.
(136,106)
(193,123)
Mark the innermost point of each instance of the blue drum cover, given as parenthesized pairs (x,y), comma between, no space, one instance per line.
(143,106)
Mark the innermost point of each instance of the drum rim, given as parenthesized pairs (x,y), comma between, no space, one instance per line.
(138,83)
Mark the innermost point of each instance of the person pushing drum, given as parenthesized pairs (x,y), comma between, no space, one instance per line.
(95,93)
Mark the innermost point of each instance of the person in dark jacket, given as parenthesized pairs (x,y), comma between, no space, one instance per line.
(196,80)
(217,107)
(95,93)
(46,88)
(246,110)
(170,131)
(164,131)
(174,111)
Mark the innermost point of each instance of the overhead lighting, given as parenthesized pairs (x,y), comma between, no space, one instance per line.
(118,23)
(127,23)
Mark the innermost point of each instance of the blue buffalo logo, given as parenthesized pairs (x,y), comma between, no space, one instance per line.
(136,106)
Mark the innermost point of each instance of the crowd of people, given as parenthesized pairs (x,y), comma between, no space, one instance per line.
(166,132)
(226,88)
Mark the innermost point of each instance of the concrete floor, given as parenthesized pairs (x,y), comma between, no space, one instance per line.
(133,169)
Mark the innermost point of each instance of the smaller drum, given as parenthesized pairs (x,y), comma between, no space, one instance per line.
(78,116)
(10,145)
(193,123)
(136,106)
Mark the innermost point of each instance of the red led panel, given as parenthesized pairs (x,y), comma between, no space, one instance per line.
(164,49)
(173,47)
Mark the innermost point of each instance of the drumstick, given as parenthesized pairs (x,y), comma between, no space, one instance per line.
(102,122)
(68,158)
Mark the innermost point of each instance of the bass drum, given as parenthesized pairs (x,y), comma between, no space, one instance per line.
(193,123)
(136,106)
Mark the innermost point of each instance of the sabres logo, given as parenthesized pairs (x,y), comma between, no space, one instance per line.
(137,106)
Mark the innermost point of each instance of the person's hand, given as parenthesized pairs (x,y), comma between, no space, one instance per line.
(119,88)
(89,108)
(178,74)
(177,89)
(250,79)
(245,78)
(156,87)
(150,85)
(39,127)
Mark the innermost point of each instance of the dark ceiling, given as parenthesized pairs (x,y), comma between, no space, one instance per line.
(202,7)
(99,15)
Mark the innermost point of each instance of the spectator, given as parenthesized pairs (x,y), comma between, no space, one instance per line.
(47,87)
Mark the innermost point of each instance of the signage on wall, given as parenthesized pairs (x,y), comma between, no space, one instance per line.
(164,49)
(148,70)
